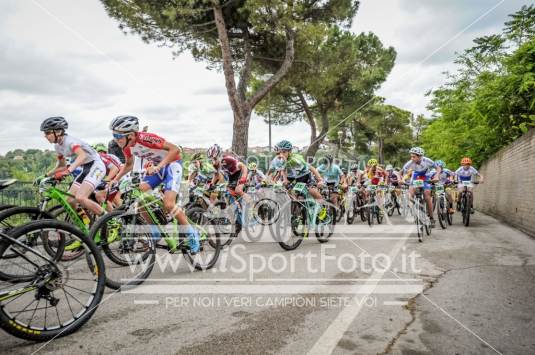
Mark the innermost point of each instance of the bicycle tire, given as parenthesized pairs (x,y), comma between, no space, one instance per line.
(95,266)
(119,262)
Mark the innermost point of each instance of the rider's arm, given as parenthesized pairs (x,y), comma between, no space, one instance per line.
(60,164)
(113,171)
(172,152)
(317,175)
(81,155)
(127,167)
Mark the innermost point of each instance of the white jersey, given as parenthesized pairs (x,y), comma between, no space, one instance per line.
(66,149)
(466,174)
(419,169)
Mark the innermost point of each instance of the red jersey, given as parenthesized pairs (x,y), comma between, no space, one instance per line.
(148,146)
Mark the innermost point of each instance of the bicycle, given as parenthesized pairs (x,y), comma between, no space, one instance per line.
(419,210)
(131,242)
(304,214)
(466,203)
(69,292)
(356,205)
(372,209)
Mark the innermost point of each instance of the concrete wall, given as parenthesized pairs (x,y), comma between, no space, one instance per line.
(508,192)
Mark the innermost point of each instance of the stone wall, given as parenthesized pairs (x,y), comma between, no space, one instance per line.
(508,192)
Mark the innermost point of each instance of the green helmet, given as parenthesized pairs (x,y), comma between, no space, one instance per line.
(283,145)
(100,147)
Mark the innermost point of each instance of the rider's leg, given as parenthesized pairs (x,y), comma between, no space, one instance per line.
(82,197)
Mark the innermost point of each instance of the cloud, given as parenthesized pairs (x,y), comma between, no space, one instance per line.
(28,71)
(212,90)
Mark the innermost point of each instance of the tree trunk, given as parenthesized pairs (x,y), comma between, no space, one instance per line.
(240,136)
(316,142)
(380,148)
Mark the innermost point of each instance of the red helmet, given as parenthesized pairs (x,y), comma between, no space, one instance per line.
(466,161)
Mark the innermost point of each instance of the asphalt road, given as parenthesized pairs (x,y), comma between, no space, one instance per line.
(368,291)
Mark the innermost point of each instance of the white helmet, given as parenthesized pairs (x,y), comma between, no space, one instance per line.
(417,151)
(125,124)
(214,151)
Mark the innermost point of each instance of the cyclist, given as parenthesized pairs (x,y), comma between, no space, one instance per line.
(354,176)
(66,146)
(255,177)
(420,166)
(163,167)
(333,176)
(393,177)
(230,167)
(296,169)
(446,178)
(200,170)
(465,173)
(113,165)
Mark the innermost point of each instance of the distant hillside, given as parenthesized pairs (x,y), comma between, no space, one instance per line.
(26,165)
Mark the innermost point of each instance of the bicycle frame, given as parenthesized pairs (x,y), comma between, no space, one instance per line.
(6,295)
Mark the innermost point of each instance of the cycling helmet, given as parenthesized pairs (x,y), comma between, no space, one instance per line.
(283,145)
(372,162)
(125,124)
(417,150)
(214,151)
(100,147)
(252,166)
(440,163)
(354,167)
(54,123)
(196,156)
(389,167)
(344,170)
(329,158)
(466,161)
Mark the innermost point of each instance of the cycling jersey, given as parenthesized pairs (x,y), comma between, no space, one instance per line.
(148,146)
(445,175)
(466,174)
(375,178)
(204,172)
(296,166)
(331,174)
(228,165)
(70,144)
(256,176)
(110,161)
(419,169)
(393,178)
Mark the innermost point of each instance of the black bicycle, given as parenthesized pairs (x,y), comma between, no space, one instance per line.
(42,296)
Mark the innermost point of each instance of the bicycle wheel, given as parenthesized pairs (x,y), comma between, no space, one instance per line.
(208,254)
(362,210)
(442,212)
(129,245)
(466,210)
(325,228)
(378,215)
(61,297)
(350,214)
(298,227)
(418,221)
(449,215)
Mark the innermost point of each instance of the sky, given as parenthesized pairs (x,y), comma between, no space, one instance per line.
(68,58)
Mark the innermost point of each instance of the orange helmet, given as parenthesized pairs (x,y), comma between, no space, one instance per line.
(466,161)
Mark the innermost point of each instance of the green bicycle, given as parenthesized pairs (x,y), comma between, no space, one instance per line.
(304,214)
(131,242)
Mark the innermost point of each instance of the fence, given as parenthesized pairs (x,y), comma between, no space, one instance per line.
(21,193)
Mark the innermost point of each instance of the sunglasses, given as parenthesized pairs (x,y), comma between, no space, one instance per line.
(119,135)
